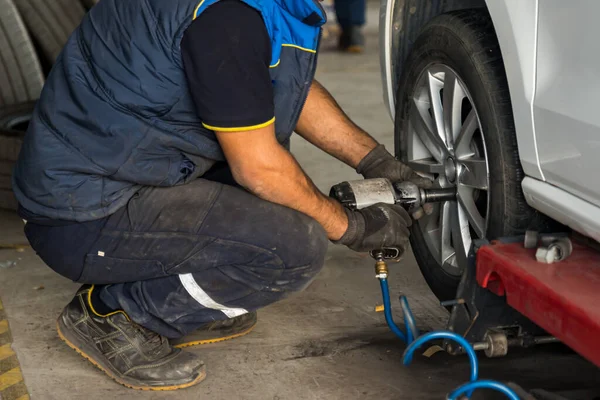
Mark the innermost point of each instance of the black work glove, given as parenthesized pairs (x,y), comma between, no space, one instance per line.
(377,226)
(379,163)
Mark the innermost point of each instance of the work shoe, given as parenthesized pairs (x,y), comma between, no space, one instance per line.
(130,354)
(352,39)
(218,331)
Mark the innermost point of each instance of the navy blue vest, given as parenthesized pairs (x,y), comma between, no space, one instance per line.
(116,113)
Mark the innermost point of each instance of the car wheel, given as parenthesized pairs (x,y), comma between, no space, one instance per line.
(454,122)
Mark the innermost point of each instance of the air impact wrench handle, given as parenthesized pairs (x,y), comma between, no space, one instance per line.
(364,193)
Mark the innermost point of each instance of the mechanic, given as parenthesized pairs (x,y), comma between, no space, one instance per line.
(156,172)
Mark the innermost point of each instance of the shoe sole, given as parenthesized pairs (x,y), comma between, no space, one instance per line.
(119,380)
(354,49)
(214,340)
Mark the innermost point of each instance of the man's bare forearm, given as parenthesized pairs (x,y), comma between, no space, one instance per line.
(266,169)
(288,185)
(324,124)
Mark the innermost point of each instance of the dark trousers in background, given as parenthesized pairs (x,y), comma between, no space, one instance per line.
(176,258)
(350,12)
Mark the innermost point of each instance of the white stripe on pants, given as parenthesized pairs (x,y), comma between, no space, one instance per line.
(192,287)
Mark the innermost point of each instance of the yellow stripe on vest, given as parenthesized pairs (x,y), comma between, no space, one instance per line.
(298,47)
(197,8)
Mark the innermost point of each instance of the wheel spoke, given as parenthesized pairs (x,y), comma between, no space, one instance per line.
(461,235)
(474,173)
(462,145)
(435,85)
(447,209)
(469,209)
(426,166)
(425,130)
(452,104)
(430,227)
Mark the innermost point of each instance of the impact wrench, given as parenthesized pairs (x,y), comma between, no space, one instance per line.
(360,194)
(364,193)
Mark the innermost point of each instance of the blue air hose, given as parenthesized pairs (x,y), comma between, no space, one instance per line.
(412,347)
(409,320)
(387,310)
(414,341)
(483,384)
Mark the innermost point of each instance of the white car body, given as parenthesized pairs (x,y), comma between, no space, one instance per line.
(550,57)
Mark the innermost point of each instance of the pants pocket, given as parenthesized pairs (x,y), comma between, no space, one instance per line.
(108,270)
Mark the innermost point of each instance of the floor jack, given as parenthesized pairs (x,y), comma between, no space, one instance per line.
(522,291)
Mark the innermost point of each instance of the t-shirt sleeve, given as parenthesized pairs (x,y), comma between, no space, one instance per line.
(226,55)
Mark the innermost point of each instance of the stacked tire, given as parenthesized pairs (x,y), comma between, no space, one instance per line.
(21,81)
(10,144)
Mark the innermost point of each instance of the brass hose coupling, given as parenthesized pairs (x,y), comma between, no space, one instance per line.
(381,268)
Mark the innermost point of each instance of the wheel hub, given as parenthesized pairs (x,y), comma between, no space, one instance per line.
(450,170)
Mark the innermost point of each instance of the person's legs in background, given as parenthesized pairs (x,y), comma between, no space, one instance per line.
(351,16)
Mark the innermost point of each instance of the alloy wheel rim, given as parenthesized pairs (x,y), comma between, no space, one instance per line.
(445,141)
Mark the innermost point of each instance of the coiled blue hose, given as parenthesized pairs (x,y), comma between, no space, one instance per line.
(412,347)
(414,341)
(483,384)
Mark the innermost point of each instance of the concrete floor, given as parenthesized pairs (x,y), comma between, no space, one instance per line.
(325,343)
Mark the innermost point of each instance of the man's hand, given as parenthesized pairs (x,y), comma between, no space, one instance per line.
(379,163)
(262,166)
(377,226)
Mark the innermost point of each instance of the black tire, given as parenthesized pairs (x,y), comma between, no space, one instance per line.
(466,42)
(21,82)
(10,145)
(21,78)
(51,23)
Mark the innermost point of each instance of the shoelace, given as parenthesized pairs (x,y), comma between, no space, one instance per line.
(154,341)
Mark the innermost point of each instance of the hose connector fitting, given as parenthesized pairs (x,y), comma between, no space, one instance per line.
(381,269)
